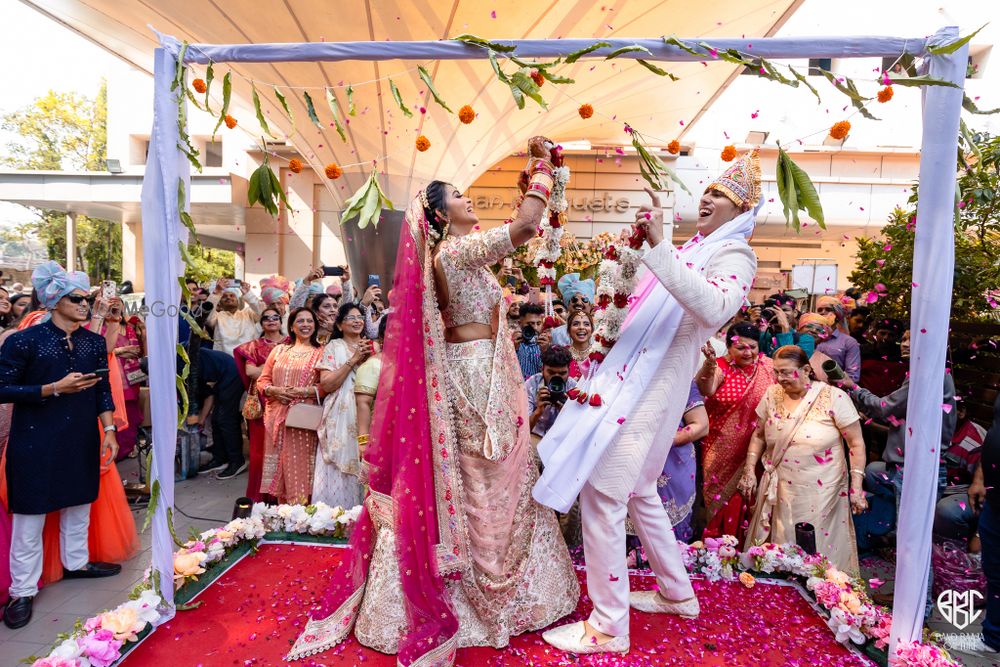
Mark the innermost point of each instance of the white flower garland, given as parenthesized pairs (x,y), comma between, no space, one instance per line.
(101,640)
(548,253)
(616,279)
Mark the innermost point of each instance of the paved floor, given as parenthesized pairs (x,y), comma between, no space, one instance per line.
(202,503)
(208,501)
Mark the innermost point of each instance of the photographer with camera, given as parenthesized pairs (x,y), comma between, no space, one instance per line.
(547,389)
(529,351)
(778,320)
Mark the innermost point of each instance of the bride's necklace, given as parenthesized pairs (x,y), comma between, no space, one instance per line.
(579,355)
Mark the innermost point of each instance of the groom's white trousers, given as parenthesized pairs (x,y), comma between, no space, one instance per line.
(604,545)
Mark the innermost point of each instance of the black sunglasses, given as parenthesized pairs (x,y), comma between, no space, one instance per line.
(76,298)
(270,318)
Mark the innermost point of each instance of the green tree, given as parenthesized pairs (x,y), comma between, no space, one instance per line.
(210,263)
(66,131)
(885,263)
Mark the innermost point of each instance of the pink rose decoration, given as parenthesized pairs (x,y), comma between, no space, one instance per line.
(101,648)
(727,551)
(56,662)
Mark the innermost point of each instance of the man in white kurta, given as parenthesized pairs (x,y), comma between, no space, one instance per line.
(612,455)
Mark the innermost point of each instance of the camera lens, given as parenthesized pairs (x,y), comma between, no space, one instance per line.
(528,333)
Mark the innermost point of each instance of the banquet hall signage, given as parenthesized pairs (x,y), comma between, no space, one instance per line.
(578,201)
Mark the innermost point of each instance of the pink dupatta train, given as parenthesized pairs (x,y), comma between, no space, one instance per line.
(410,451)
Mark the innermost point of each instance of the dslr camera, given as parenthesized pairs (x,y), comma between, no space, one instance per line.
(528,333)
(557,390)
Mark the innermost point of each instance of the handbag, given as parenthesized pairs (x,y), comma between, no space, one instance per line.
(305,415)
(252,408)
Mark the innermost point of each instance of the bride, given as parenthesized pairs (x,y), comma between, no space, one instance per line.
(450,549)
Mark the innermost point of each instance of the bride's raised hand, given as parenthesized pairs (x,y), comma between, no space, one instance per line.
(540,147)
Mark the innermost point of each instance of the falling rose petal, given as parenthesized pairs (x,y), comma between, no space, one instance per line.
(946,407)
(493,14)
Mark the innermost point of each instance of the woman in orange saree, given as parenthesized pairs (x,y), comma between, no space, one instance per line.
(732,386)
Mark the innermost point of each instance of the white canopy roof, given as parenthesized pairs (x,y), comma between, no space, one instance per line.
(619,90)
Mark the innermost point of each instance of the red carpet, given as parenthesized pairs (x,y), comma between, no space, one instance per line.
(251,615)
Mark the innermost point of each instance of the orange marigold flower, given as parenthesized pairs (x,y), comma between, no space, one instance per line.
(674,147)
(537,77)
(586,111)
(747,579)
(885,94)
(199,85)
(466,114)
(230,122)
(295,165)
(840,129)
(423,143)
(333,171)
(729,153)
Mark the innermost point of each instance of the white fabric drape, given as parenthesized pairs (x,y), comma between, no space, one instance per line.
(161,233)
(930,308)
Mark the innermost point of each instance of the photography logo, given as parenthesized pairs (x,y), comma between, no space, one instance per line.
(959,608)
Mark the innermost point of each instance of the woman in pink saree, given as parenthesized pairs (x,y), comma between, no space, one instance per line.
(450,550)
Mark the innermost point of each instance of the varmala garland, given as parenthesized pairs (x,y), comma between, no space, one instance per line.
(551,230)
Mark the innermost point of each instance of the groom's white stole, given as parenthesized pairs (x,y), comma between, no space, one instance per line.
(582,434)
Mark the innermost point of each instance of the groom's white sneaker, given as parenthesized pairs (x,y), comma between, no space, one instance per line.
(570,638)
(653,603)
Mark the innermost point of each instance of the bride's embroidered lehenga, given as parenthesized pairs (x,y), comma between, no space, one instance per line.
(450,549)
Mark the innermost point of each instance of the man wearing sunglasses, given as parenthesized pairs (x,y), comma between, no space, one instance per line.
(55,374)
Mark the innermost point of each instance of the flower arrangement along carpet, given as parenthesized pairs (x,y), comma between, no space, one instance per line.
(252,613)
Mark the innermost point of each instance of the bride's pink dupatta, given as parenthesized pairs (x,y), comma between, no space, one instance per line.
(402,485)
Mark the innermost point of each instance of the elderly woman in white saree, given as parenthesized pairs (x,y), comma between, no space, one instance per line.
(338,461)
(801,427)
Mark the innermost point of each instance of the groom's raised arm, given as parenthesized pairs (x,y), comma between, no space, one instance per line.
(714,296)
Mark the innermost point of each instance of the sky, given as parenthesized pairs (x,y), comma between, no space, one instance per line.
(68,63)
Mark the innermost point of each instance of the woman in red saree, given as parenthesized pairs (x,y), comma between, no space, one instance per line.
(732,387)
(450,549)
(250,358)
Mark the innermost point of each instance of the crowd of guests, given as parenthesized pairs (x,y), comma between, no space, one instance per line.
(297,363)
(793,417)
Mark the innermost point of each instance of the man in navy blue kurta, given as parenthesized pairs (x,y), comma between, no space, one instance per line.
(55,450)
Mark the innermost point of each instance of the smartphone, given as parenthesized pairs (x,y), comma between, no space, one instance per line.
(100,372)
(331,271)
(374,279)
(508,263)
(534,295)
(109,289)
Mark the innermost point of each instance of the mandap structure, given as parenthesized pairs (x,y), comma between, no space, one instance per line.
(166,225)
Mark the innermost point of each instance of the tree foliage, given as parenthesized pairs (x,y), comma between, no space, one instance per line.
(884,269)
(66,131)
(209,263)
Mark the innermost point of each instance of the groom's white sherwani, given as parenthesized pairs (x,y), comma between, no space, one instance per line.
(613,456)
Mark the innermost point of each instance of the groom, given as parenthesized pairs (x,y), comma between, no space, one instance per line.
(612,454)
